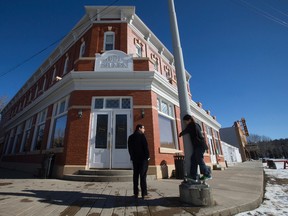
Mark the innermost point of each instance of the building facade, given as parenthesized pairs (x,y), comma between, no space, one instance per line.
(107,75)
(231,153)
(237,137)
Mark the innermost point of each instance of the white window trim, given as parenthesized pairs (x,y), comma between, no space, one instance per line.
(139,48)
(105,36)
(111,97)
(169,150)
(171,117)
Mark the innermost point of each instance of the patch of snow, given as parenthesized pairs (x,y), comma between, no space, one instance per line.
(276,193)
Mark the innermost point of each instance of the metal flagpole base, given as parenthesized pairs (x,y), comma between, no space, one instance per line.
(197,194)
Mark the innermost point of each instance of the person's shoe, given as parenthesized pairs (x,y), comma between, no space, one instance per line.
(135,196)
(205,177)
(146,195)
(190,179)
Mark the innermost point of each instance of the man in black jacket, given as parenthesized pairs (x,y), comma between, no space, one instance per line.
(139,154)
(198,145)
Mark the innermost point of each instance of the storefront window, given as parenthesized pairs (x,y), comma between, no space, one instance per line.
(38,138)
(167,132)
(59,131)
(59,121)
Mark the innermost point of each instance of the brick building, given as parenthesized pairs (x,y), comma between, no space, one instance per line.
(107,75)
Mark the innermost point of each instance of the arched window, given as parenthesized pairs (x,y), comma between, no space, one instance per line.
(109,40)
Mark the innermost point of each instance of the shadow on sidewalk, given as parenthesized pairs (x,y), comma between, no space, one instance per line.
(79,199)
(14,174)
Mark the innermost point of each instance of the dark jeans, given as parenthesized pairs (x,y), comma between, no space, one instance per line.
(198,159)
(140,169)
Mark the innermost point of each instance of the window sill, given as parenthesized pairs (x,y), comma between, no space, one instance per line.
(169,151)
(54,150)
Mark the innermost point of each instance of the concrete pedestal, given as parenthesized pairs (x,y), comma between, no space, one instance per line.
(196,194)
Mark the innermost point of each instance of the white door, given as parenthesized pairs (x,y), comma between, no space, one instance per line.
(121,130)
(212,151)
(109,135)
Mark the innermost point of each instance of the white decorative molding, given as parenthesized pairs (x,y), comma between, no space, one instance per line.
(114,61)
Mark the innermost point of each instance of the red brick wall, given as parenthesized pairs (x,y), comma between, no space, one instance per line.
(76,148)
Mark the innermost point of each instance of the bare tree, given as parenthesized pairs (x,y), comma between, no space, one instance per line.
(254,138)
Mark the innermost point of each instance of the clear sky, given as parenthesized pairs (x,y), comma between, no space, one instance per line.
(235,50)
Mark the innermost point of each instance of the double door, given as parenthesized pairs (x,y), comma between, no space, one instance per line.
(109,135)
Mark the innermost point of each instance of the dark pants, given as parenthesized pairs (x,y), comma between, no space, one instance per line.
(198,159)
(140,169)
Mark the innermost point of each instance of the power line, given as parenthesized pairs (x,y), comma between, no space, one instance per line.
(55,42)
(263,13)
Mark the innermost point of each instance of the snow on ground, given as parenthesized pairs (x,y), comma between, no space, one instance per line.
(275,201)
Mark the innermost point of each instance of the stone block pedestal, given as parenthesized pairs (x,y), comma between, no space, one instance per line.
(196,194)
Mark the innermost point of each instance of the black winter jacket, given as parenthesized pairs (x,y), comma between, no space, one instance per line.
(197,139)
(138,147)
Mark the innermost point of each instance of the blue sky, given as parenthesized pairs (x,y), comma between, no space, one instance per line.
(235,50)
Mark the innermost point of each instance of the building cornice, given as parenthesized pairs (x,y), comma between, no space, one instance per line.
(140,80)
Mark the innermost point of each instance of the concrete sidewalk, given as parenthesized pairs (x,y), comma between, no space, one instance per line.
(236,189)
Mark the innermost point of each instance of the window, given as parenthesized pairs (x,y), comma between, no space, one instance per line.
(10,142)
(217,142)
(164,107)
(156,65)
(65,70)
(36,91)
(109,40)
(99,102)
(82,49)
(59,121)
(6,142)
(218,150)
(44,84)
(53,75)
(112,103)
(30,96)
(39,132)
(138,50)
(126,103)
(27,135)
(62,107)
(18,137)
(59,131)
(167,125)
(24,103)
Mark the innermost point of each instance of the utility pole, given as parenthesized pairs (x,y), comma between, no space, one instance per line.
(193,193)
(181,84)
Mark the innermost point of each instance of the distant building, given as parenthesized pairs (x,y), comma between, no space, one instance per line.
(108,74)
(231,153)
(237,137)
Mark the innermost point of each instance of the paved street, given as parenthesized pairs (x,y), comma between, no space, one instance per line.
(237,189)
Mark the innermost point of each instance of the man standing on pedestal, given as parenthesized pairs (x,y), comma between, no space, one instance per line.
(198,145)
